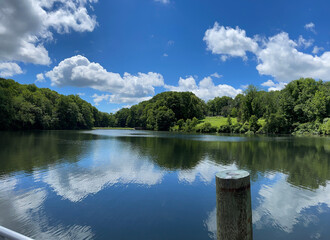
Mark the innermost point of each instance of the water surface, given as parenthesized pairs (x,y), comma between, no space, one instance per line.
(118,184)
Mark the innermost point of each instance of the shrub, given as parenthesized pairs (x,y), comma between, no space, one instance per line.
(253,123)
(325,126)
(244,128)
(310,128)
(224,128)
(206,128)
(236,127)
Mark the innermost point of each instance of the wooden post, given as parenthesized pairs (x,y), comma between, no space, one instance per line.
(234,214)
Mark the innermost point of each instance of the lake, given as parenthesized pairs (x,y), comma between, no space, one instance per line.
(125,184)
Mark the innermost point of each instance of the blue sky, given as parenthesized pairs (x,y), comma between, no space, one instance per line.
(119,52)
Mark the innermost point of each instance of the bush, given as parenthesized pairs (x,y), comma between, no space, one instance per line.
(244,128)
(249,132)
(236,127)
(253,123)
(310,128)
(325,127)
(206,128)
(276,123)
(175,128)
(224,129)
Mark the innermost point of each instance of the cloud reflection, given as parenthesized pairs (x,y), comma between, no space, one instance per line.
(108,166)
(282,204)
(205,170)
(22,211)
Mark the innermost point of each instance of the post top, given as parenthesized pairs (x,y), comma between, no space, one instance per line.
(232,174)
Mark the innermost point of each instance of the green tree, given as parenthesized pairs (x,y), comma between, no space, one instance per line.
(253,123)
(164,118)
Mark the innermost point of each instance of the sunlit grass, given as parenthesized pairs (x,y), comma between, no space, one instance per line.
(217,121)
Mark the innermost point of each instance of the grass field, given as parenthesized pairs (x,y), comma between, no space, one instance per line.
(217,121)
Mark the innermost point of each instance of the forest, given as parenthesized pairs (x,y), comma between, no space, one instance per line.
(24,107)
(302,107)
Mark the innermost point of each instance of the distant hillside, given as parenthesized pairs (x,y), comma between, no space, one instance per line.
(29,107)
(162,111)
(303,106)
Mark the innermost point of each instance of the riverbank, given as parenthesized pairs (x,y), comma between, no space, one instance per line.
(220,124)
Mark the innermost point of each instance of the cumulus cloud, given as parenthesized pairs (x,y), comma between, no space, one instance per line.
(78,71)
(317,49)
(282,60)
(310,26)
(304,43)
(205,89)
(8,69)
(216,75)
(40,77)
(26,25)
(277,55)
(228,41)
(273,86)
(99,98)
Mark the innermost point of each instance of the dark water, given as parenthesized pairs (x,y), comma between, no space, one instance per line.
(109,184)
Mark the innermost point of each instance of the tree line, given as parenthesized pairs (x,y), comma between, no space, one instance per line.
(303,106)
(25,107)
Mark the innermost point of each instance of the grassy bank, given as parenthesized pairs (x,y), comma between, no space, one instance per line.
(217,121)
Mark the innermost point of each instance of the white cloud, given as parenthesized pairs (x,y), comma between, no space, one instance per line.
(40,77)
(78,71)
(163,1)
(317,49)
(228,41)
(282,60)
(304,43)
(273,86)
(269,83)
(277,55)
(205,89)
(165,55)
(99,98)
(216,75)
(26,25)
(245,86)
(310,26)
(277,87)
(8,69)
